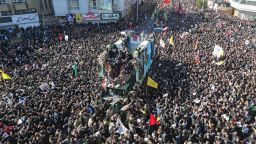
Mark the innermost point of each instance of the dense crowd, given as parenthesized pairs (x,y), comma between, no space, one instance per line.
(45,102)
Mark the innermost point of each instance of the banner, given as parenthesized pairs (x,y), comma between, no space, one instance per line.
(79,18)
(91,16)
(25,18)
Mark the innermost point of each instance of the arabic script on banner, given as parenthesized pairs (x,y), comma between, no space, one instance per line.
(25,18)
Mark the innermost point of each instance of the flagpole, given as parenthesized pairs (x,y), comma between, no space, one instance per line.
(147,90)
(146,87)
(2,79)
(4,83)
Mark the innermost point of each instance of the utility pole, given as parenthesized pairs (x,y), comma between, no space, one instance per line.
(137,11)
(145,15)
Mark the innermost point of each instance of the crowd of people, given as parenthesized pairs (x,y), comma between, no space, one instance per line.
(45,102)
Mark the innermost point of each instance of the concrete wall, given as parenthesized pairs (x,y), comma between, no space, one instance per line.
(83,6)
(60,7)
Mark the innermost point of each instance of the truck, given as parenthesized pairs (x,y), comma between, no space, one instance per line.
(125,63)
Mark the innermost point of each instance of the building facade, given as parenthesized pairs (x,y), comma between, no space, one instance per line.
(244,8)
(24,13)
(94,11)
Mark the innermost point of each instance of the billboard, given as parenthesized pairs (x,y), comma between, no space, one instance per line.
(110,16)
(91,16)
(25,18)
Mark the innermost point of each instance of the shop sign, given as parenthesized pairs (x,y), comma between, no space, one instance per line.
(91,16)
(25,18)
(70,17)
(113,16)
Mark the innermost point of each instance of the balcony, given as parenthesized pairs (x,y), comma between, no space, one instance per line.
(20,6)
(242,6)
(31,4)
(116,8)
(4,7)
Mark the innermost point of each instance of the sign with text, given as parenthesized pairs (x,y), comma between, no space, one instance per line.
(91,16)
(110,16)
(25,18)
(70,17)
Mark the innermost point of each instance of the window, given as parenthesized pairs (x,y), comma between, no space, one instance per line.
(31,10)
(2,2)
(6,13)
(253,3)
(18,1)
(18,12)
(105,5)
(5,19)
(74,4)
(116,5)
(93,4)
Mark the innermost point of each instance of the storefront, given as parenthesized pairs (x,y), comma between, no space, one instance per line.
(24,21)
(93,17)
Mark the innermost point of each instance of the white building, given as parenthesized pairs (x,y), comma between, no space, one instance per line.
(244,8)
(23,13)
(91,10)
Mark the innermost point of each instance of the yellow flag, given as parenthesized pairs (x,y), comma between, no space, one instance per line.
(220,62)
(152,83)
(171,41)
(236,13)
(5,76)
(78,17)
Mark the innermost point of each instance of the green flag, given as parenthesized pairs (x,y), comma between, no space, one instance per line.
(75,69)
